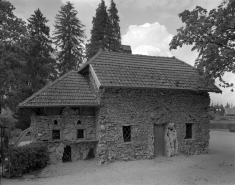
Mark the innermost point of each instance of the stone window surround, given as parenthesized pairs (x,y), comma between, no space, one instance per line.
(193,132)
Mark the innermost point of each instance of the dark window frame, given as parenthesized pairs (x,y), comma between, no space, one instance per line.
(60,136)
(188,131)
(126,133)
(84,133)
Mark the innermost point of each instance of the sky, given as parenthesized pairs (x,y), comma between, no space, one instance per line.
(146,25)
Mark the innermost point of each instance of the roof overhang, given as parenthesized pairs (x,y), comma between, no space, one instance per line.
(160,88)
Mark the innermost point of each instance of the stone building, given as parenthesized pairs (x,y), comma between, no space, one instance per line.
(121,106)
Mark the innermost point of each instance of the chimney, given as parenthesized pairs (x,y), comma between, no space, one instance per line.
(126,49)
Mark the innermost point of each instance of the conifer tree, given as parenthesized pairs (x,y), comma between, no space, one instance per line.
(40,64)
(98,32)
(69,37)
(105,32)
(113,37)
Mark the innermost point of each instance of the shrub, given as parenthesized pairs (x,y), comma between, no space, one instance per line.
(212,115)
(28,158)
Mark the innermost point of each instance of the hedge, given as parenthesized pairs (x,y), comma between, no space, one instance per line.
(28,158)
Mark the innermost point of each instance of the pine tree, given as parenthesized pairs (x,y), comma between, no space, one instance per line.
(98,32)
(68,36)
(40,64)
(113,33)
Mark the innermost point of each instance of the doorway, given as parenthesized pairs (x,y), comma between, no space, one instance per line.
(67,154)
(159,143)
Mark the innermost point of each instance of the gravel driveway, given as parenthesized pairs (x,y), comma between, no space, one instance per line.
(216,167)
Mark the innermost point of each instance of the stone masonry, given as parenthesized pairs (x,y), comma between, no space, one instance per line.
(141,109)
(67,123)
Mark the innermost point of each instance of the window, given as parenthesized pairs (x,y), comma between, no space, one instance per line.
(80,134)
(126,133)
(55,122)
(79,122)
(55,134)
(189,133)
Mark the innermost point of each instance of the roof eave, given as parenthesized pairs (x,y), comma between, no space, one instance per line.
(160,88)
(63,105)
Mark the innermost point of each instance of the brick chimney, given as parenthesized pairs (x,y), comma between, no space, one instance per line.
(126,49)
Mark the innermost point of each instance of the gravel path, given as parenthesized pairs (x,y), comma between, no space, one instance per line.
(217,167)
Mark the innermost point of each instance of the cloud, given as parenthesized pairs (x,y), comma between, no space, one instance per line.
(167,4)
(90,2)
(149,39)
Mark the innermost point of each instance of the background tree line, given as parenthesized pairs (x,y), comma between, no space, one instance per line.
(30,57)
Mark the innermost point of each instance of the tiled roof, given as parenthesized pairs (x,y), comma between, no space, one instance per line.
(115,69)
(230,111)
(69,90)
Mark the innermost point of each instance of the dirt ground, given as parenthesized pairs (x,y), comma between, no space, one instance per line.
(216,167)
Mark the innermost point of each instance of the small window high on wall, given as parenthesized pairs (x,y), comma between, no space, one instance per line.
(188,131)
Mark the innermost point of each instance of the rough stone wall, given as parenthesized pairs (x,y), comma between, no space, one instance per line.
(42,127)
(79,151)
(143,108)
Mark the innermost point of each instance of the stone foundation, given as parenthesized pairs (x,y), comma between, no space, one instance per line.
(79,151)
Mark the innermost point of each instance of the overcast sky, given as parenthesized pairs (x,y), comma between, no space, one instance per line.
(147,25)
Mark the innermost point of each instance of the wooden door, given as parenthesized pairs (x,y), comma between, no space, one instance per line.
(159,143)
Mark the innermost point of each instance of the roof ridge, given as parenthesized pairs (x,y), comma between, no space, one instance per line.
(185,63)
(115,64)
(90,60)
(139,55)
(44,88)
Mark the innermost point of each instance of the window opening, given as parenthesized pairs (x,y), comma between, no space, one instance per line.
(188,134)
(79,122)
(55,122)
(80,134)
(55,134)
(126,133)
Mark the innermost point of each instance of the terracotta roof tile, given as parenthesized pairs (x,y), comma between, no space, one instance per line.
(69,90)
(115,69)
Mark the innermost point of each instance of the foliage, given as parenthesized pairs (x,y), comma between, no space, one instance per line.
(40,67)
(212,34)
(68,36)
(105,33)
(212,115)
(113,37)
(98,31)
(28,158)
(13,49)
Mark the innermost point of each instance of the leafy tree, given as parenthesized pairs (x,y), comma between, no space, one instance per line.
(113,37)
(13,50)
(212,34)
(68,36)
(98,31)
